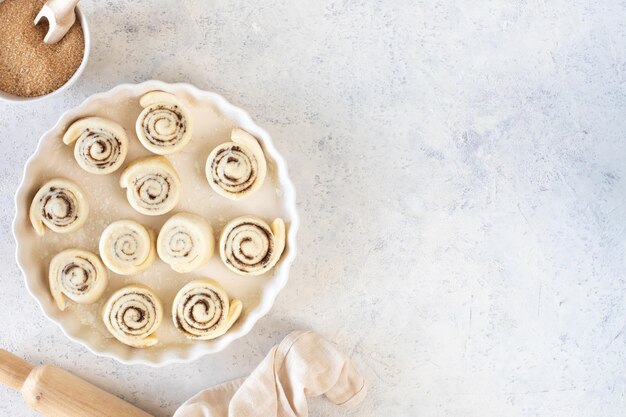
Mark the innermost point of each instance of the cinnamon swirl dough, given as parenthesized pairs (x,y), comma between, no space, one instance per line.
(78,275)
(185,242)
(236,169)
(248,246)
(133,314)
(152,185)
(203,311)
(165,125)
(127,247)
(101,144)
(60,205)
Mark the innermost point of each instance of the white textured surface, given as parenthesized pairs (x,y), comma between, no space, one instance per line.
(461,177)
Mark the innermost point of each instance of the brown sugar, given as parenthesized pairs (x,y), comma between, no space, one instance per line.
(28,67)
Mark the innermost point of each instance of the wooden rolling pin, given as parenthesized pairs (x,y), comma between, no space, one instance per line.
(54,392)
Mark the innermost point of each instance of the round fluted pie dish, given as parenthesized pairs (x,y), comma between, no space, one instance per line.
(215,118)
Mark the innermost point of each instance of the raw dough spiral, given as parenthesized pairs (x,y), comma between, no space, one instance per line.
(203,311)
(101,144)
(59,205)
(133,314)
(236,169)
(127,247)
(78,275)
(249,247)
(152,185)
(165,125)
(185,242)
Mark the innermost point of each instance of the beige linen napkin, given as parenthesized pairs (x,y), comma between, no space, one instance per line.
(303,365)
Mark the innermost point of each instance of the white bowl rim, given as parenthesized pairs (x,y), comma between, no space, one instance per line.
(289,197)
(12,98)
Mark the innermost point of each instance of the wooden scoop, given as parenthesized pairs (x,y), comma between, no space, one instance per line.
(54,392)
(60,15)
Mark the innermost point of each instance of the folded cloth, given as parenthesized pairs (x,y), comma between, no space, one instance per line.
(303,365)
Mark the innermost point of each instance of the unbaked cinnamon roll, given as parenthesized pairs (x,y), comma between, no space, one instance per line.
(236,169)
(101,144)
(165,125)
(203,311)
(185,242)
(133,314)
(78,275)
(248,246)
(152,185)
(127,247)
(60,205)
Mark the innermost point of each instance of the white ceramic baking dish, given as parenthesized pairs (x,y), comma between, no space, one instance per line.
(52,158)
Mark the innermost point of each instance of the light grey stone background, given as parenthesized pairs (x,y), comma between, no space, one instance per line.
(461,176)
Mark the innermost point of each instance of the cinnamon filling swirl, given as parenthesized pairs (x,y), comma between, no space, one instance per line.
(237,168)
(127,247)
(164,126)
(152,185)
(248,246)
(202,310)
(101,145)
(185,242)
(132,315)
(59,205)
(77,274)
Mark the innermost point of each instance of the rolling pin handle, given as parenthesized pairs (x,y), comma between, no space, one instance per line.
(13,370)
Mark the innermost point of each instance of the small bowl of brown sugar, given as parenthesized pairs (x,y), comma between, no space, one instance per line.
(30,69)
